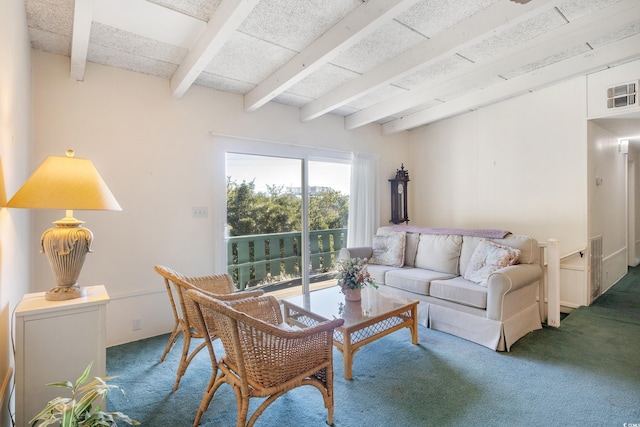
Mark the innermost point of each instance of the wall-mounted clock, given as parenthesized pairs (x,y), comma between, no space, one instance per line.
(399,193)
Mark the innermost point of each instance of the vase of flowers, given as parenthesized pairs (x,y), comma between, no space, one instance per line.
(352,276)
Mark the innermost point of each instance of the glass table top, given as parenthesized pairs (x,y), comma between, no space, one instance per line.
(329,303)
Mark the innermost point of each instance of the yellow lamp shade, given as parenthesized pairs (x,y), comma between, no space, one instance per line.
(67,183)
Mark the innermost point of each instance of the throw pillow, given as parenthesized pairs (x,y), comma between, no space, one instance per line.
(410,243)
(388,250)
(487,258)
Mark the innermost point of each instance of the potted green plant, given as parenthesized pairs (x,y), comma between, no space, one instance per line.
(352,276)
(78,410)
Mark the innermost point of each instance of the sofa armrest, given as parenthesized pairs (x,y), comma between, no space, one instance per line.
(357,252)
(506,280)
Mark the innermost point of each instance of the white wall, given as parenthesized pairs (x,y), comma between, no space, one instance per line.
(635,239)
(15,161)
(631,206)
(608,201)
(599,82)
(519,165)
(159,159)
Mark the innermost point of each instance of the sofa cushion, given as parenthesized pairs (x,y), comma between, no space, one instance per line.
(378,272)
(439,253)
(388,249)
(414,280)
(487,258)
(469,244)
(461,291)
(411,249)
(528,247)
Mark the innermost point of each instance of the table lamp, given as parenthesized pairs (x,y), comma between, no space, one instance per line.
(65,183)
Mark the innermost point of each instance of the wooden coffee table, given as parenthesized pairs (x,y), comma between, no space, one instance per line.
(376,315)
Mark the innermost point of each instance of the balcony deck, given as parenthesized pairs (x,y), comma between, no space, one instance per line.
(254,260)
(297,290)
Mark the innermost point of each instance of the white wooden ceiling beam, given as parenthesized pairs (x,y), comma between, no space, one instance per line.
(360,23)
(149,20)
(184,29)
(478,27)
(586,28)
(82,18)
(225,21)
(586,63)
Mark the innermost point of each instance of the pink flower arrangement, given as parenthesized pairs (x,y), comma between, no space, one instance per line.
(352,274)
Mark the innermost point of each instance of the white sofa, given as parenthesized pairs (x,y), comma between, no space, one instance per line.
(461,287)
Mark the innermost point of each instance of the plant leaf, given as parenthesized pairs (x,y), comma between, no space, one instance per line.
(122,417)
(68,415)
(84,375)
(65,384)
(48,413)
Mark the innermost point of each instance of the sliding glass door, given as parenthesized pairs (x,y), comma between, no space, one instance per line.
(328,216)
(286,221)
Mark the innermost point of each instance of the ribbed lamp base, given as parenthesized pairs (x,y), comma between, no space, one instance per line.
(66,247)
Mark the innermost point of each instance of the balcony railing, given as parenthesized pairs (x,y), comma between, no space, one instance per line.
(266,258)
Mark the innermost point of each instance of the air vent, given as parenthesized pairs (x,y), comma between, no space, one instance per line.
(595,255)
(622,95)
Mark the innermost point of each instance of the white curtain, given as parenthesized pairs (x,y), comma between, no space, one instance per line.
(364,205)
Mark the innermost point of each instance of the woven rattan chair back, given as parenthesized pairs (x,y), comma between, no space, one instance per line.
(263,356)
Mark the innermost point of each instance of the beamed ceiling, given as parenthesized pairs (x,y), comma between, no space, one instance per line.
(398,63)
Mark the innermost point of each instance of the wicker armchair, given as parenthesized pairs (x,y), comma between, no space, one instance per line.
(186,321)
(265,357)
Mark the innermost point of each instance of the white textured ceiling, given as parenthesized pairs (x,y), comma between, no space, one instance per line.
(399,63)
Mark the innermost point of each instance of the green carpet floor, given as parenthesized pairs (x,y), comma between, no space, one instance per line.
(585,373)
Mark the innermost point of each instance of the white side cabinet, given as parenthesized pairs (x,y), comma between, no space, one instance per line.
(55,341)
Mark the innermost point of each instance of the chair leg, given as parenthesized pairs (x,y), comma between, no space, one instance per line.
(186,358)
(243,411)
(328,397)
(172,340)
(183,359)
(262,407)
(211,389)
(193,354)
(326,389)
(330,416)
